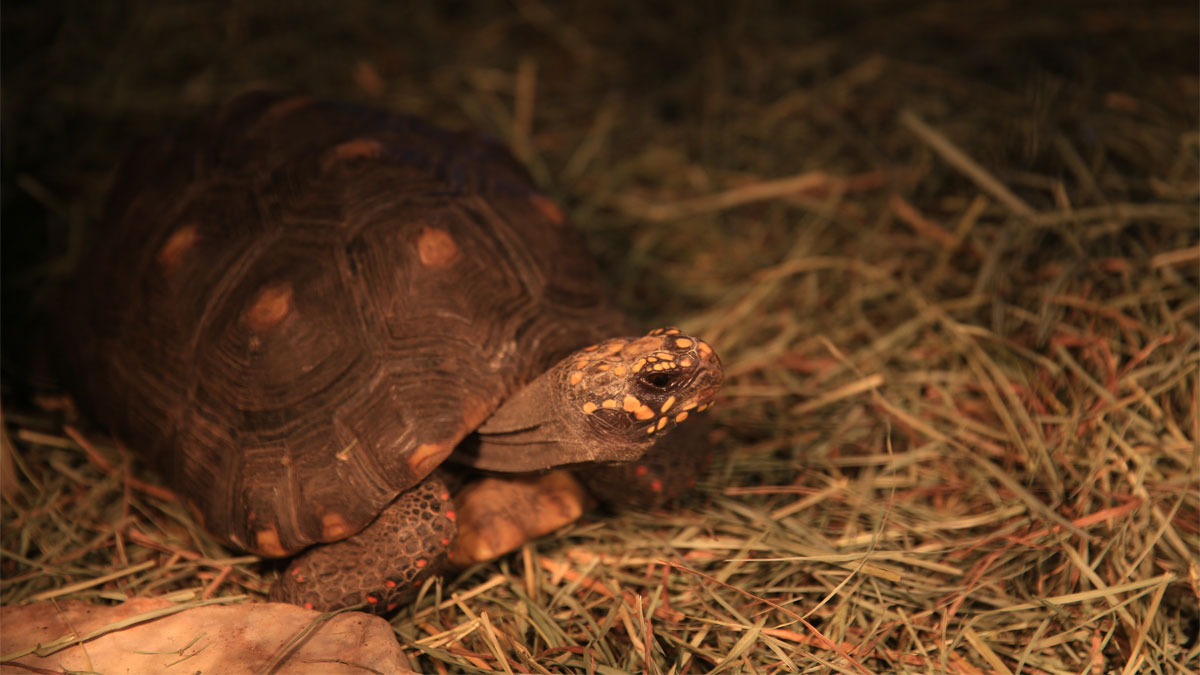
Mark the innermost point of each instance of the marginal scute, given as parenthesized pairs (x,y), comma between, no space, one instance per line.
(475,411)
(334,527)
(268,544)
(426,456)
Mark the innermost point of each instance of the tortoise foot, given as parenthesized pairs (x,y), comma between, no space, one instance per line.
(498,515)
(383,565)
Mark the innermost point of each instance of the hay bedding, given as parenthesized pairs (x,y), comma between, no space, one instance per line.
(949,253)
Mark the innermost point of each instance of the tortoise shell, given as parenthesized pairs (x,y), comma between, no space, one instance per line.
(302,306)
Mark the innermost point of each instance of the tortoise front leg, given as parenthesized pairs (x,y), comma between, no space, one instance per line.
(381,566)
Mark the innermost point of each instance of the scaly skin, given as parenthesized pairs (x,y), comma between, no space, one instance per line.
(383,565)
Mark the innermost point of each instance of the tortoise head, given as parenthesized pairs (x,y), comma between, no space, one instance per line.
(608,402)
(630,390)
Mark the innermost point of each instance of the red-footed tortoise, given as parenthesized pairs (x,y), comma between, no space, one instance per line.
(302,308)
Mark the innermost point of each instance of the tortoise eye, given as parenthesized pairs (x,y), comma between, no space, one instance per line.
(659,380)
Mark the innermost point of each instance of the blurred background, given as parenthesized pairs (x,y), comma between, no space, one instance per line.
(917,232)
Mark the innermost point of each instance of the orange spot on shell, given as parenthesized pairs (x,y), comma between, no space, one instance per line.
(272,305)
(359,148)
(427,456)
(179,243)
(551,210)
(421,563)
(372,599)
(389,583)
(267,540)
(334,527)
(308,605)
(285,107)
(641,470)
(656,485)
(436,247)
(452,516)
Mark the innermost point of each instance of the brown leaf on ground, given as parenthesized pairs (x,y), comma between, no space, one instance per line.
(243,638)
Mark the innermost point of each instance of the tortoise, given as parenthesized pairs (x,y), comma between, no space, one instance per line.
(316,318)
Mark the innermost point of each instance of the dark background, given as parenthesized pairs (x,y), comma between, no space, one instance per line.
(85,81)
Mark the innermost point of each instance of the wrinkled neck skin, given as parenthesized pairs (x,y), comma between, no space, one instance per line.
(609,402)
